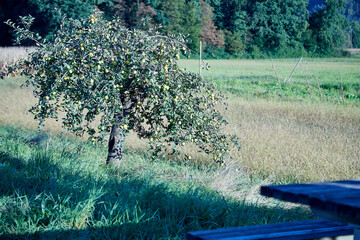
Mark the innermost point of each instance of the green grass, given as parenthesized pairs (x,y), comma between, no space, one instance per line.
(66,192)
(257,79)
(11,83)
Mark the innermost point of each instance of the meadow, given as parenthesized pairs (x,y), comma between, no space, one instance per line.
(299,132)
(60,187)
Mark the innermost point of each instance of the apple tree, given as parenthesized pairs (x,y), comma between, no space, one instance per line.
(105,78)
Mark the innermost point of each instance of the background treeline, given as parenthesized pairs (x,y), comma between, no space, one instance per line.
(231,28)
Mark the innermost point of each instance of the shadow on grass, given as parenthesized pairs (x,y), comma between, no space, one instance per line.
(44,198)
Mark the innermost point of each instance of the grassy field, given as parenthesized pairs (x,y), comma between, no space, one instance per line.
(302,135)
(62,189)
(313,79)
(66,192)
(9,55)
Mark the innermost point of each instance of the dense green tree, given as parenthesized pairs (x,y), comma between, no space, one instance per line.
(11,9)
(210,36)
(326,27)
(130,12)
(232,16)
(191,24)
(233,43)
(278,25)
(76,9)
(180,16)
(355,34)
(352,10)
(170,15)
(45,12)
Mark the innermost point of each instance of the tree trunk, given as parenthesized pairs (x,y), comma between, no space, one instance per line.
(116,146)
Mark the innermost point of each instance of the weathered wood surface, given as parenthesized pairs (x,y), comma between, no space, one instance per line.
(339,198)
(293,230)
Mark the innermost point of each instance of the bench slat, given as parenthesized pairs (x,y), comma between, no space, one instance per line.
(270,227)
(293,230)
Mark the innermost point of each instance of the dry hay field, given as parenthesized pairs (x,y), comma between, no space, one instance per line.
(299,132)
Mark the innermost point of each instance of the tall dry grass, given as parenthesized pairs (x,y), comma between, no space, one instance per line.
(297,142)
(281,140)
(9,55)
(287,141)
(14,53)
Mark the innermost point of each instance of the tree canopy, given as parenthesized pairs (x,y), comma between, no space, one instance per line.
(107,78)
(233,27)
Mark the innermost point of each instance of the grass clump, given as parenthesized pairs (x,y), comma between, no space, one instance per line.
(65,191)
(297,143)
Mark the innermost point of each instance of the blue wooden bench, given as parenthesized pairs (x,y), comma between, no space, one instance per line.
(287,231)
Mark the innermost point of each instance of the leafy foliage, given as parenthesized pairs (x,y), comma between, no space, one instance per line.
(260,27)
(173,20)
(355,34)
(327,25)
(279,24)
(98,69)
(233,42)
(352,11)
(209,35)
(231,16)
(45,12)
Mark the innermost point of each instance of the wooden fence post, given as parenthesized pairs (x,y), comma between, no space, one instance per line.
(293,71)
(200,63)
